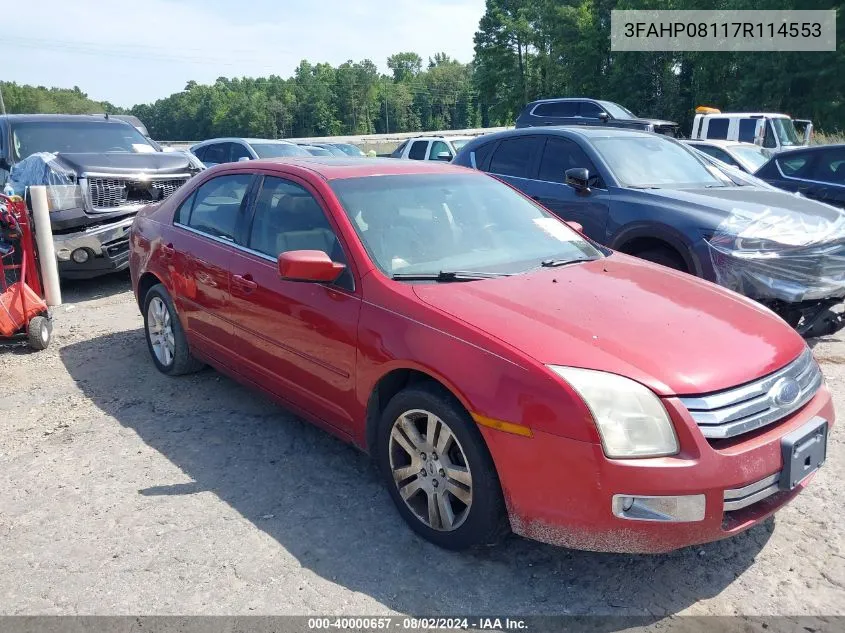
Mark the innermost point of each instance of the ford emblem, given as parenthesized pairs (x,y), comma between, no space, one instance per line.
(785,392)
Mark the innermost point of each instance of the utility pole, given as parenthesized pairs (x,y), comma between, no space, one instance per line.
(386,116)
(2,105)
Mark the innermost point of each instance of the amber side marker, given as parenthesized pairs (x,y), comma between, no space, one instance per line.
(501,425)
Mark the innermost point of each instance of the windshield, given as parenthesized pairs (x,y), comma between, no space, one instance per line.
(350,150)
(76,137)
(654,161)
(617,111)
(277,150)
(785,131)
(752,156)
(430,223)
(459,143)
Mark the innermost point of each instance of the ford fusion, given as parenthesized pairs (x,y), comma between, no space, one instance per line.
(504,372)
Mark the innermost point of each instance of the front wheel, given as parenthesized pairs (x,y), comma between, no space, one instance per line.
(438,470)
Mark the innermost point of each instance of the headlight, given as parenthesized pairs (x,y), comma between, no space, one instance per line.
(755,244)
(62,197)
(631,420)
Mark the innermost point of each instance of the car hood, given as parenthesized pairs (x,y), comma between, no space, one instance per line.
(668,330)
(126,163)
(655,122)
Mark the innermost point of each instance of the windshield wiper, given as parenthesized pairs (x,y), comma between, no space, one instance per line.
(448,275)
(554,263)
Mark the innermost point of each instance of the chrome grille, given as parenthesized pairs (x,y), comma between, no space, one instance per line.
(743,409)
(106,194)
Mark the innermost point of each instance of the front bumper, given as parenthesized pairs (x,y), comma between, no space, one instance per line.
(561,491)
(106,245)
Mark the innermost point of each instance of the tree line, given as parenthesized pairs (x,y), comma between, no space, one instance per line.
(524,50)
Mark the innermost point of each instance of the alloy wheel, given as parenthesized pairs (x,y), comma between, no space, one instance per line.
(160,331)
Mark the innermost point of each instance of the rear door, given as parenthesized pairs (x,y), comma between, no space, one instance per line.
(297,340)
(202,248)
(589,209)
(515,161)
(790,172)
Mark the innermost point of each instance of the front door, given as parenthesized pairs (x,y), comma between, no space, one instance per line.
(298,340)
(550,190)
(202,245)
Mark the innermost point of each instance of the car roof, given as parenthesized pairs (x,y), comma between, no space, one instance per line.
(59,118)
(242,139)
(569,131)
(809,148)
(772,115)
(337,168)
(718,142)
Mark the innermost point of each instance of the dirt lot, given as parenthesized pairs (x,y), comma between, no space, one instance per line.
(123,491)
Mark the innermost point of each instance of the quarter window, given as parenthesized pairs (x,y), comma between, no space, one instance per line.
(217,205)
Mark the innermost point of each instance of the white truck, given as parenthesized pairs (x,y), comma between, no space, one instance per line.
(427,148)
(772,131)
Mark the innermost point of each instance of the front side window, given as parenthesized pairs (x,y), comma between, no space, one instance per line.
(590,110)
(438,148)
(793,165)
(656,161)
(76,137)
(429,223)
(216,154)
(288,218)
(217,204)
(238,152)
(560,155)
(831,167)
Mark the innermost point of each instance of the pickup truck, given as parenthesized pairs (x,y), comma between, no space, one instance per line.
(99,171)
(772,131)
(426,148)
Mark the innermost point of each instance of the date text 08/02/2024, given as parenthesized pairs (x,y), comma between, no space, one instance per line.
(413,624)
(724,29)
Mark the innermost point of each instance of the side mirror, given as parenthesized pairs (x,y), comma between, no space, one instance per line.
(309,266)
(604,117)
(575,225)
(243,159)
(445,156)
(579,179)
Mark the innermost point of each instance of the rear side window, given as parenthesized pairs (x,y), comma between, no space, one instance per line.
(557,109)
(560,155)
(217,205)
(747,127)
(513,156)
(418,150)
(718,128)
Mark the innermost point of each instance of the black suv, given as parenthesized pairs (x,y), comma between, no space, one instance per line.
(589,112)
(99,171)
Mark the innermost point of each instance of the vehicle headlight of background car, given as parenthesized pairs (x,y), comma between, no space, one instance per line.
(630,419)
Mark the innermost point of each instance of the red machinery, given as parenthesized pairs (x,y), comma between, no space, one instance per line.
(23,312)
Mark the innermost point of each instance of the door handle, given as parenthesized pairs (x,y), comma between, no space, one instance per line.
(244,283)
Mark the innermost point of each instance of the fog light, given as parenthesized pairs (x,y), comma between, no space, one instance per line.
(682,509)
(80,255)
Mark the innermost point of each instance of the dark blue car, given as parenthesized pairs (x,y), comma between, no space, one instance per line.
(650,196)
(817,172)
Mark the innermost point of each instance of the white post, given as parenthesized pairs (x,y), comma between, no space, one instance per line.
(46,252)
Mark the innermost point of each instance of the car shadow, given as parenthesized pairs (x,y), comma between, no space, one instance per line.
(323,503)
(78,290)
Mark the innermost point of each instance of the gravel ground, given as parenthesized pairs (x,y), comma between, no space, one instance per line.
(123,491)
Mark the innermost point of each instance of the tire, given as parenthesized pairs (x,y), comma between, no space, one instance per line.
(476,514)
(665,256)
(39,333)
(165,336)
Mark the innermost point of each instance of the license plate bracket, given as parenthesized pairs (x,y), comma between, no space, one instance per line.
(804,451)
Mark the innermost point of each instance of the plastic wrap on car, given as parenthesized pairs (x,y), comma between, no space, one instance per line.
(43,169)
(778,254)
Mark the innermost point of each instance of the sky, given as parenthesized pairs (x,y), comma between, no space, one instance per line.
(137,52)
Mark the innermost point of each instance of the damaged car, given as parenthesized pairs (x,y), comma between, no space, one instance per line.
(651,196)
(99,171)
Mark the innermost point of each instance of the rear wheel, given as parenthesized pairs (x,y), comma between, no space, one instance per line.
(665,256)
(438,470)
(165,336)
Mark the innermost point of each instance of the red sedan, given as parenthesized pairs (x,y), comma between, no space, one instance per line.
(504,372)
